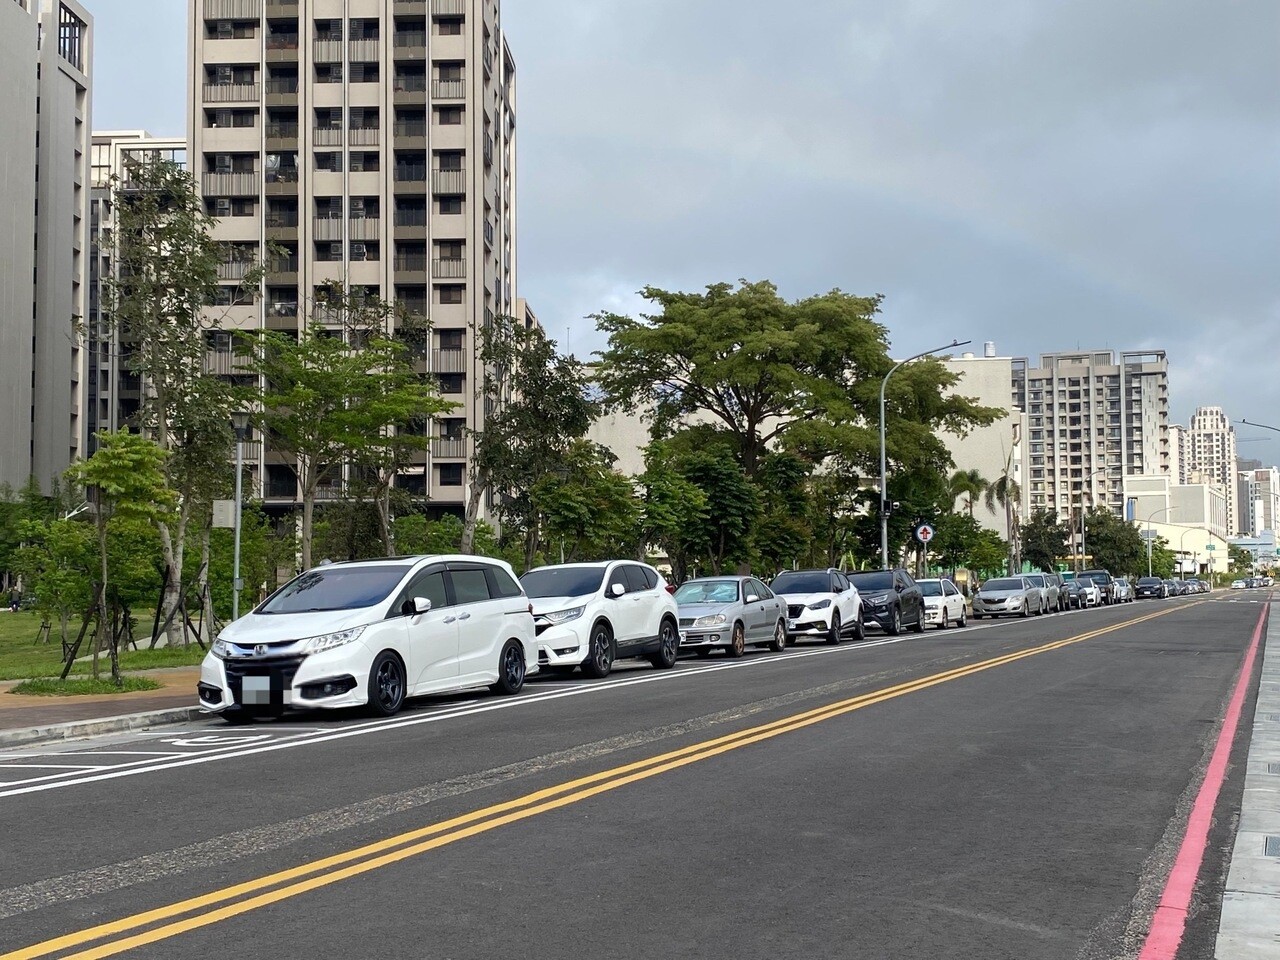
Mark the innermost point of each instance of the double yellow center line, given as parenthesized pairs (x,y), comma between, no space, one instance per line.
(176,918)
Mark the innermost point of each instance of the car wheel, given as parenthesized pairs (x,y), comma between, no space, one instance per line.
(737,642)
(895,622)
(510,669)
(834,634)
(386,684)
(964,618)
(668,646)
(779,642)
(599,652)
(860,627)
(945,622)
(918,626)
(977,616)
(1025,611)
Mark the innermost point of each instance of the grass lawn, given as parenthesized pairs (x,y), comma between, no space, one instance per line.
(82,686)
(21,657)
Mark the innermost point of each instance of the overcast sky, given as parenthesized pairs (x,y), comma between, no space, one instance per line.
(1050,175)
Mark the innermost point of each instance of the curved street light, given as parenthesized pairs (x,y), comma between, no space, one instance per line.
(884,482)
(1150,533)
(1085,488)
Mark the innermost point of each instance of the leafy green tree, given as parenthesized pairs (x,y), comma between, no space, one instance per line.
(781,533)
(57,563)
(264,551)
(538,409)
(1163,560)
(124,479)
(1113,544)
(1006,491)
(671,506)
(1044,539)
(836,510)
(969,485)
(1239,559)
(988,554)
(955,537)
(591,510)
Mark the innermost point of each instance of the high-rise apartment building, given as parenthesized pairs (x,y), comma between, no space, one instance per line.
(1211,455)
(113,393)
(45,56)
(373,142)
(1093,418)
(1258,498)
(1178,453)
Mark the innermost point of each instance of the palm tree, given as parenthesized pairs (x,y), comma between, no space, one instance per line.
(1006,492)
(969,484)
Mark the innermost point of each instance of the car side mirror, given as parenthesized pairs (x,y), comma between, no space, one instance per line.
(617,590)
(752,598)
(414,606)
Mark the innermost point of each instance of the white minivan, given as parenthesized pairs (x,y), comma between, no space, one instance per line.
(373,632)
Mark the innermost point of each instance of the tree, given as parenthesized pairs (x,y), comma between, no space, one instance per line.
(335,397)
(969,484)
(591,510)
(1113,543)
(1044,539)
(57,563)
(954,537)
(988,554)
(538,408)
(1006,491)
(124,479)
(1240,560)
(166,279)
(1163,560)
(802,377)
(670,507)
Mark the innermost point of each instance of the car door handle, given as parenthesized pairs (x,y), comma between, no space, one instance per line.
(464,616)
(450,619)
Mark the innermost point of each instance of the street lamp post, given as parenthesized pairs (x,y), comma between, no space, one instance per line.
(240,425)
(1080,563)
(1150,534)
(884,479)
(1182,575)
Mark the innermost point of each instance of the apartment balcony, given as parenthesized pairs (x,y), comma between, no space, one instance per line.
(411,263)
(364,228)
(410,44)
(282,136)
(281,489)
(232,92)
(411,7)
(229,184)
(488,149)
(449,89)
(282,92)
(283,270)
(364,136)
(282,182)
(448,8)
(233,269)
(487,58)
(449,182)
(410,90)
(327,51)
(411,134)
(327,136)
(449,448)
(449,361)
(232,9)
(224,363)
(281,309)
(364,51)
(282,48)
(449,268)
(282,8)
(410,177)
(327,229)
(488,234)
(281,224)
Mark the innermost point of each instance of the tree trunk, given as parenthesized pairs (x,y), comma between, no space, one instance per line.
(308,515)
(173,547)
(472,519)
(383,501)
(206,603)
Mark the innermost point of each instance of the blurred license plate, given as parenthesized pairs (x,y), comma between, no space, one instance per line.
(791,624)
(255,690)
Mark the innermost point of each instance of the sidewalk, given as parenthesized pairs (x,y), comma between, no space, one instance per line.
(27,719)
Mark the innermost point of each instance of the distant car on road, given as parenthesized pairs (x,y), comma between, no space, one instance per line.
(1151,588)
(1237,584)
(1007,597)
(730,613)
(820,603)
(1124,590)
(1105,582)
(944,604)
(1050,591)
(1084,593)
(891,599)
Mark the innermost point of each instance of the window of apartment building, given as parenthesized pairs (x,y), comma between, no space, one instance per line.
(329,207)
(414,484)
(365,118)
(329,29)
(223,74)
(71,31)
(449,205)
(449,116)
(450,474)
(330,161)
(328,73)
(449,160)
(451,293)
(448,27)
(449,339)
(365,250)
(365,73)
(230,29)
(449,70)
(451,382)
(366,161)
(230,118)
(365,29)
(328,252)
(450,249)
(452,428)
(410,212)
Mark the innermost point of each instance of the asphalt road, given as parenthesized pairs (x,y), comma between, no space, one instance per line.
(1007,791)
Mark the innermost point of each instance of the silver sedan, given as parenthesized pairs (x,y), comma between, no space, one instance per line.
(1008,597)
(730,613)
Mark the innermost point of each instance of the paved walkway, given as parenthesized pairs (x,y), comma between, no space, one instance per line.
(22,712)
(1250,924)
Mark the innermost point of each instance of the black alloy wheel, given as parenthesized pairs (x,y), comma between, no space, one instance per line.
(386,685)
(918,626)
(834,635)
(510,669)
(599,652)
(895,623)
(668,646)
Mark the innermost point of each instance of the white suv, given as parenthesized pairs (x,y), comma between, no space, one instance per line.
(591,614)
(820,603)
(373,632)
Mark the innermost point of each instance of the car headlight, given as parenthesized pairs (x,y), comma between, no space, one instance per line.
(820,605)
(564,616)
(221,649)
(327,641)
(713,620)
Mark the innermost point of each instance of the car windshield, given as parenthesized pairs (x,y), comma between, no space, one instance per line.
(1085,581)
(1037,580)
(336,588)
(1006,583)
(1149,581)
(870,582)
(801,582)
(562,581)
(708,591)
(930,588)
(1098,576)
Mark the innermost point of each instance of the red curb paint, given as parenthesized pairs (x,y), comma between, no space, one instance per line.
(1170,920)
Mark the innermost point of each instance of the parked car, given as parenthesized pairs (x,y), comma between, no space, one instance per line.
(1007,597)
(373,633)
(1050,592)
(590,615)
(1124,590)
(1105,582)
(891,599)
(730,613)
(944,604)
(1237,584)
(820,603)
(1084,593)
(1150,588)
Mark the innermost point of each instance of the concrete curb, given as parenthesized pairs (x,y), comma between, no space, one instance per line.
(98,726)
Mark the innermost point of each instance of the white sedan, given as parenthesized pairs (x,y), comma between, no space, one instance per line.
(944,604)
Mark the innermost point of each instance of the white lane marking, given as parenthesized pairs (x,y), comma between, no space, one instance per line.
(130,769)
(52,766)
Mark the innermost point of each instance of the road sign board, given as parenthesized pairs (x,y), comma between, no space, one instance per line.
(1211,548)
(924,533)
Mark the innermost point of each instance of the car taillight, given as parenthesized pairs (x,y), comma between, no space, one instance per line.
(671,588)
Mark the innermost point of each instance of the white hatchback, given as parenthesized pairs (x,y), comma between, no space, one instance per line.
(944,604)
(373,633)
